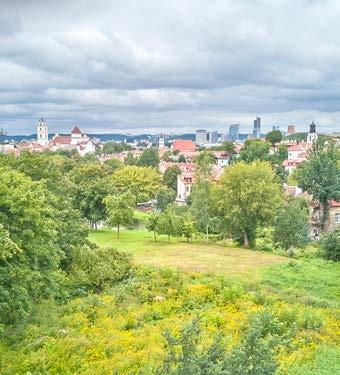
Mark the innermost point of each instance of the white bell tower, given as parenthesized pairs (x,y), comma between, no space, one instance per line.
(42,133)
(312,135)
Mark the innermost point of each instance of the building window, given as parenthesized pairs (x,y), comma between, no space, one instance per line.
(337,218)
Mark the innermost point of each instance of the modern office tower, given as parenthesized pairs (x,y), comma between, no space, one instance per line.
(201,136)
(224,137)
(213,137)
(312,135)
(291,129)
(257,128)
(42,133)
(234,132)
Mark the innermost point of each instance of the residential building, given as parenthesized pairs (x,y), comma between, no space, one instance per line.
(201,136)
(234,132)
(257,128)
(331,223)
(185,182)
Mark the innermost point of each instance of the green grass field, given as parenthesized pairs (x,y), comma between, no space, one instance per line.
(195,256)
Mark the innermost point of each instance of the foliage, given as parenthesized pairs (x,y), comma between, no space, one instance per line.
(149,158)
(320,177)
(120,210)
(264,239)
(30,253)
(120,330)
(91,186)
(169,223)
(165,196)
(274,137)
(142,182)
(330,245)
(112,147)
(253,356)
(114,164)
(170,177)
(188,226)
(152,224)
(254,150)
(247,197)
(97,267)
(291,227)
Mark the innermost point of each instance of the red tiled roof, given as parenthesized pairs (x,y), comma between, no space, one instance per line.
(335,203)
(183,145)
(62,140)
(76,130)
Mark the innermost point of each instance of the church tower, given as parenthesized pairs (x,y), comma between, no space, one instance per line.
(42,133)
(312,135)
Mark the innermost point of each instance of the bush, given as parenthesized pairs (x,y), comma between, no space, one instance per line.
(330,245)
(94,268)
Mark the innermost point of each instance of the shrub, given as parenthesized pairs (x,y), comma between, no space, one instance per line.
(99,266)
(330,245)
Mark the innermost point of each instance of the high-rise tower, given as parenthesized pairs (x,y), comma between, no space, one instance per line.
(42,133)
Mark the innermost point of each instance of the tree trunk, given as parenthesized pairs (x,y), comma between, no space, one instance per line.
(325,212)
(207,232)
(118,231)
(187,239)
(154,236)
(245,239)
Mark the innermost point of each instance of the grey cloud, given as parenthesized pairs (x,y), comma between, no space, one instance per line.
(180,64)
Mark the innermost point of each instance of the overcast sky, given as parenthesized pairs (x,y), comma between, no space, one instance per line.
(169,65)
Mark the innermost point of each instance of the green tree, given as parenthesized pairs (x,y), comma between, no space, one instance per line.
(130,159)
(291,224)
(274,137)
(170,177)
(169,223)
(120,210)
(152,224)
(255,150)
(165,197)
(181,159)
(330,245)
(149,158)
(30,254)
(114,164)
(320,177)
(142,182)
(247,196)
(91,186)
(187,226)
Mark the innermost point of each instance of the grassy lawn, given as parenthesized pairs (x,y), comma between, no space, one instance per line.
(196,256)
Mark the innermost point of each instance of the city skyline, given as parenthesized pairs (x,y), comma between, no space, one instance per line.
(148,66)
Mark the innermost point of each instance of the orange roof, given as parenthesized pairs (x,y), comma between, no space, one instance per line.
(62,139)
(335,203)
(183,145)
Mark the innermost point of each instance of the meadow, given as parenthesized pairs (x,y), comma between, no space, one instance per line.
(121,330)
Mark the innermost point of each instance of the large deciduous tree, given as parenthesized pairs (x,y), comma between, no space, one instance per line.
(320,177)
(255,150)
(142,182)
(247,196)
(30,254)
